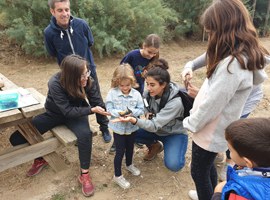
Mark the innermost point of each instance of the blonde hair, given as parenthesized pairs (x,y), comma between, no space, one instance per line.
(123,72)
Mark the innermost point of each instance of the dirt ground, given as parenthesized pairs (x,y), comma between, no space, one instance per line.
(155,181)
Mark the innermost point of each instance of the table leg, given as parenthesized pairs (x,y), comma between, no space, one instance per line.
(33,136)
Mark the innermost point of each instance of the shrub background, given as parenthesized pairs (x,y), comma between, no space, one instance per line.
(117,25)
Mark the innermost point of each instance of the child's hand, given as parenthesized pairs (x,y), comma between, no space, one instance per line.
(220,186)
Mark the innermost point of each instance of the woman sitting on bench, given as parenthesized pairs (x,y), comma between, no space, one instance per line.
(66,105)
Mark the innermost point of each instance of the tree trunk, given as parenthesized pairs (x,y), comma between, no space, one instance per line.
(253,9)
(265,30)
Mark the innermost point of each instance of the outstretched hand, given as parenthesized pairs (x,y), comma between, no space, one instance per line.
(123,119)
(100,110)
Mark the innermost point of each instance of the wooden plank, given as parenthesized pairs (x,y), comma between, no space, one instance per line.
(11,149)
(7,83)
(34,110)
(55,162)
(64,135)
(27,154)
(10,116)
(32,135)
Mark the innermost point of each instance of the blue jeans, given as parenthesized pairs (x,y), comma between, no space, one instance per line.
(175,147)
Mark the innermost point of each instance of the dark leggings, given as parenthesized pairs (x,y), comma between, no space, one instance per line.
(203,172)
(79,126)
(124,144)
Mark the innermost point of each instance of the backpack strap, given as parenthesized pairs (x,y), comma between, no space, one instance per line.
(163,99)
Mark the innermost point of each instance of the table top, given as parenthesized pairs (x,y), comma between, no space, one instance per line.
(25,112)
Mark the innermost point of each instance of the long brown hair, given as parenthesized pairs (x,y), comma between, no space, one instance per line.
(231,32)
(72,68)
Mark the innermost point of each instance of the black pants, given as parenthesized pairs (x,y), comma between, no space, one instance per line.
(124,144)
(203,172)
(79,126)
(102,120)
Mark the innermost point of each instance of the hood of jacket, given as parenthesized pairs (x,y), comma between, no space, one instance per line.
(54,26)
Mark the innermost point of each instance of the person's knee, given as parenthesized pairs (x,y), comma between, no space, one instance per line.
(16,138)
(174,165)
(84,137)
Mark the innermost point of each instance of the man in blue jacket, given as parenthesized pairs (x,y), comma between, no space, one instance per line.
(67,35)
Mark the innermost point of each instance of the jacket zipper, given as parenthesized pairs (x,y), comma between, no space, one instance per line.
(70,42)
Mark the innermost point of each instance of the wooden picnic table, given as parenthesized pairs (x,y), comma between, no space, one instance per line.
(38,146)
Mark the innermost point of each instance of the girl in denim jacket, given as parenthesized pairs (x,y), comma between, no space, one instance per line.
(123,100)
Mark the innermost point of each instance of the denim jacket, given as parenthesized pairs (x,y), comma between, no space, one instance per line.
(116,102)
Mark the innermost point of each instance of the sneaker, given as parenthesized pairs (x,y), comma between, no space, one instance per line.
(87,185)
(37,166)
(193,194)
(134,170)
(106,136)
(153,150)
(121,181)
(112,149)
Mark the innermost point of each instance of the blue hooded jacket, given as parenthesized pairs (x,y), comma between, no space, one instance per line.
(76,39)
(253,187)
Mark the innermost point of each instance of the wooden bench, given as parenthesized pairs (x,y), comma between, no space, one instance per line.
(62,133)
(37,146)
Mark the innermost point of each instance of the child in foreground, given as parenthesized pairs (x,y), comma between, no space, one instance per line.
(122,100)
(249,144)
(142,60)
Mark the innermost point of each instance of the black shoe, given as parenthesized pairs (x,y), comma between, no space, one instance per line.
(112,149)
(106,136)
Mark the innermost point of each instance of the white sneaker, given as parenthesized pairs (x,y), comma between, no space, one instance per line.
(134,170)
(193,194)
(121,181)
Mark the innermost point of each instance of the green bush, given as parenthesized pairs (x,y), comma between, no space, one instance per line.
(188,14)
(117,25)
(120,25)
(24,22)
